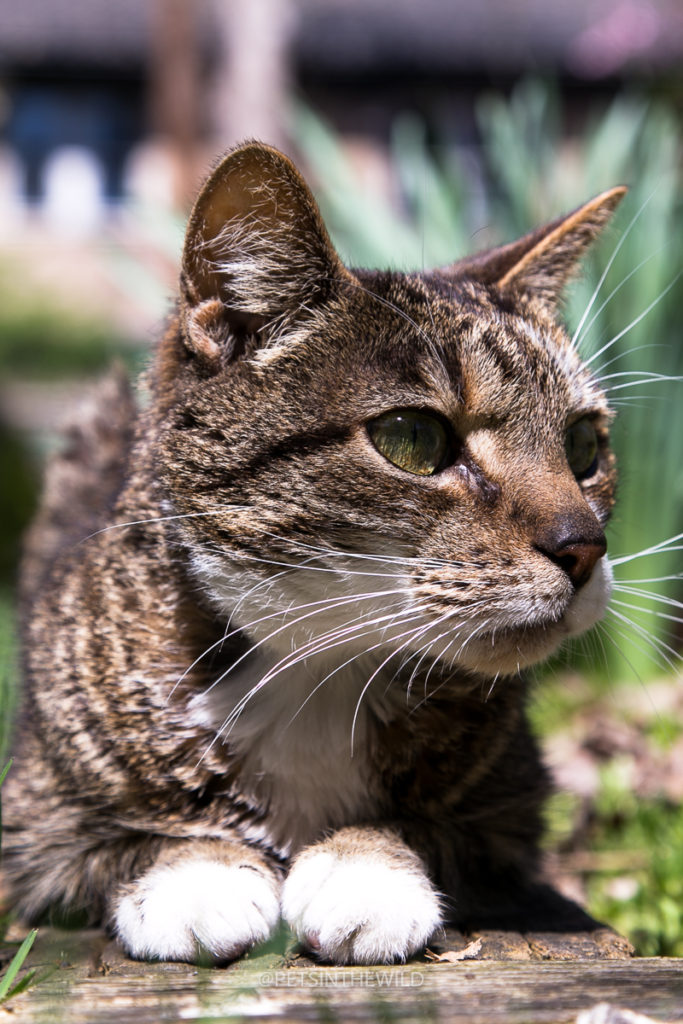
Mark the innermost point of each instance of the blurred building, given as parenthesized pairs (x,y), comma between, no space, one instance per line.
(84,84)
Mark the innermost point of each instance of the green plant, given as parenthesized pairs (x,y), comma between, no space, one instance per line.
(39,340)
(8,680)
(645,902)
(8,987)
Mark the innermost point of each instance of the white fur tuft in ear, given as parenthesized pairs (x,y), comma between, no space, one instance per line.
(257,246)
(267,275)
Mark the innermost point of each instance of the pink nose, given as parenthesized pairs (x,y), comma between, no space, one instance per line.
(577,557)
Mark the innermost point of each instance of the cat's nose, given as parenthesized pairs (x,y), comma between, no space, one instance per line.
(576,555)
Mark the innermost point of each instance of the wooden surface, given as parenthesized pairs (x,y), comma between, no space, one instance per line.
(519,979)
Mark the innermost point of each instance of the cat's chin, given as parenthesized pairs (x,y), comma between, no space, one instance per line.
(508,651)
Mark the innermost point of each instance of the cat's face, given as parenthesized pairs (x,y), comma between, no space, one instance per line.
(378,462)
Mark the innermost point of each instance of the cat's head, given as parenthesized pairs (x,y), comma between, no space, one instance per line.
(379,462)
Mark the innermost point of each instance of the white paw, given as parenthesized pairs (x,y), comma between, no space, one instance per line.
(185,910)
(359,910)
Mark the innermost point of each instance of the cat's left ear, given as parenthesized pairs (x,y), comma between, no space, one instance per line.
(541,263)
(256,254)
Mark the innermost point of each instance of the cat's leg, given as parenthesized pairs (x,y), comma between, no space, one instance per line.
(199,899)
(361,896)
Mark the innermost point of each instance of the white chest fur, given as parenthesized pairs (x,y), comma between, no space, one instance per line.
(305,752)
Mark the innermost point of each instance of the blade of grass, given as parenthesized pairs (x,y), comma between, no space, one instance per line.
(22,984)
(16,965)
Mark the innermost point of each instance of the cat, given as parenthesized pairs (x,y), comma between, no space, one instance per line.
(276,621)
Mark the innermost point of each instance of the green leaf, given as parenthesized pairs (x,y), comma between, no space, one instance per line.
(16,964)
(22,984)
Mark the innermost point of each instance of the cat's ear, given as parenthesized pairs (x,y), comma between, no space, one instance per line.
(256,252)
(541,263)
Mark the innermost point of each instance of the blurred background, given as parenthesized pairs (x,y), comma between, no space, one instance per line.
(427,130)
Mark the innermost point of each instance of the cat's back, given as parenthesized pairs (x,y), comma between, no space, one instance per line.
(82,479)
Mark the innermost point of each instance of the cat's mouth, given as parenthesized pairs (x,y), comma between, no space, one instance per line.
(508,649)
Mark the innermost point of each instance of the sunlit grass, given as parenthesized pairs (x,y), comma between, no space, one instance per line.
(646,902)
(617,824)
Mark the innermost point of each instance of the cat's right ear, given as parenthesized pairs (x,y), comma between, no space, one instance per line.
(256,253)
(540,264)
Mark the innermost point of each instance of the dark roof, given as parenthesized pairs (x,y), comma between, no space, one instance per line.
(356,37)
(586,37)
(34,32)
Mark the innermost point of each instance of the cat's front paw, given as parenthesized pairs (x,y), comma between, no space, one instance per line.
(359,910)
(197,908)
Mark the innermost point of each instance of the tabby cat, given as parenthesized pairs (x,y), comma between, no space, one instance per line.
(276,621)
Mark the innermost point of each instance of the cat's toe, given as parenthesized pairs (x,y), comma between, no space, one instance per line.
(359,910)
(196,909)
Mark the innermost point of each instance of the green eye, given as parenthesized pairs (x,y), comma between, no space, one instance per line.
(412,440)
(581,446)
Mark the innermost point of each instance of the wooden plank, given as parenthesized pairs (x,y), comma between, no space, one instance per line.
(602,944)
(516,979)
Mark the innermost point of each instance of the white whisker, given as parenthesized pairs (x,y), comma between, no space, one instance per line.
(615,291)
(649,611)
(166,519)
(315,607)
(317,645)
(635,321)
(654,643)
(608,266)
(649,595)
(648,379)
(345,664)
(604,629)
(676,577)
(411,634)
(663,547)
(628,352)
